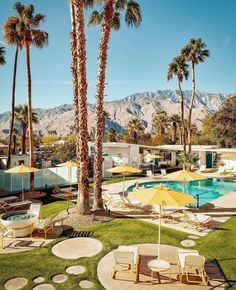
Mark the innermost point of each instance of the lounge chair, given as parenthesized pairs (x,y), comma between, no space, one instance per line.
(132,204)
(44,226)
(221,169)
(114,200)
(200,221)
(4,232)
(191,265)
(167,213)
(151,175)
(163,172)
(126,258)
(9,199)
(202,168)
(6,207)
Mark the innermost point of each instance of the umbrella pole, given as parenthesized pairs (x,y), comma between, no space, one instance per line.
(22,187)
(123,184)
(159,234)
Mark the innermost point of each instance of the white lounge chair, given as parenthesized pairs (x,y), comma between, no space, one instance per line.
(163,172)
(199,221)
(132,204)
(126,258)
(151,175)
(114,200)
(221,169)
(191,265)
(202,168)
(167,213)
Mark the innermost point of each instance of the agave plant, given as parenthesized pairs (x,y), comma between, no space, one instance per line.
(187,160)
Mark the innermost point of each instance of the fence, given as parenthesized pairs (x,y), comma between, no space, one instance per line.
(47,177)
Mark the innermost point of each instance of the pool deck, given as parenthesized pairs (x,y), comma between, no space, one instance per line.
(220,209)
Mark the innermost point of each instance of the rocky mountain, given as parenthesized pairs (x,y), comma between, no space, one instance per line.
(140,105)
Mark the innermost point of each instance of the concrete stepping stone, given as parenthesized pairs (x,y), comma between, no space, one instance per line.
(193,237)
(44,287)
(77,248)
(59,278)
(75,270)
(187,243)
(85,284)
(16,283)
(39,280)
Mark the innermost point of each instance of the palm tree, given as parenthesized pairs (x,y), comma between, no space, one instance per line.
(30,34)
(12,39)
(135,130)
(160,122)
(22,117)
(78,69)
(175,121)
(2,55)
(112,135)
(14,140)
(179,68)
(195,51)
(109,18)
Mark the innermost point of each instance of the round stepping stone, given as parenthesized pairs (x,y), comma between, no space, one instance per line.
(75,270)
(188,243)
(16,283)
(39,280)
(59,278)
(193,237)
(85,284)
(44,287)
(77,248)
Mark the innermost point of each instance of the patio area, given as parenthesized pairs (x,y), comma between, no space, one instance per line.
(169,280)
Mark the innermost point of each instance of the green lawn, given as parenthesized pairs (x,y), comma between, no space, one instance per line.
(219,244)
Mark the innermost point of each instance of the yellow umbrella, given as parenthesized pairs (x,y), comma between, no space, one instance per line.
(153,156)
(70,164)
(159,195)
(185,176)
(124,169)
(21,169)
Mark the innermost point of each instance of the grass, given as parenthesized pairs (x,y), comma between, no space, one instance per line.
(55,208)
(116,179)
(219,244)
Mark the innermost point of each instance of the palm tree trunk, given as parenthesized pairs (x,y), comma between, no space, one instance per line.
(12,107)
(174,133)
(14,143)
(191,109)
(102,61)
(23,140)
(84,207)
(74,71)
(182,116)
(30,121)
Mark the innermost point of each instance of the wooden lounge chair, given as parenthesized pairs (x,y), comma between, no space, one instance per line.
(167,213)
(132,204)
(126,259)
(191,265)
(200,221)
(6,207)
(44,226)
(9,199)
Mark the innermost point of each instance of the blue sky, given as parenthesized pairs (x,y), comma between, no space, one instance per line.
(138,58)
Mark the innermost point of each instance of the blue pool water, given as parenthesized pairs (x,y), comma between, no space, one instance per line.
(207,190)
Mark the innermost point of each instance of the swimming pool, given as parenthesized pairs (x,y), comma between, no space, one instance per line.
(207,190)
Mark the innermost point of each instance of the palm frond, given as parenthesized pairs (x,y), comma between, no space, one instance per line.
(95,18)
(133,16)
(39,38)
(2,55)
(19,8)
(116,21)
(120,5)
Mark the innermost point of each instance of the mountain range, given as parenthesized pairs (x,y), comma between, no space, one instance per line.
(140,105)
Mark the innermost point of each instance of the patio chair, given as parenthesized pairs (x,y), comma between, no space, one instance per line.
(199,221)
(5,232)
(221,169)
(191,265)
(44,226)
(6,207)
(126,259)
(34,209)
(56,190)
(151,175)
(167,213)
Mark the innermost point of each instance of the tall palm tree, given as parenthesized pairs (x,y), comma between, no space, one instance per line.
(30,35)
(78,69)
(195,51)
(12,39)
(175,122)
(2,55)
(22,117)
(160,122)
(109,18)
(135,130)
(179,68)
